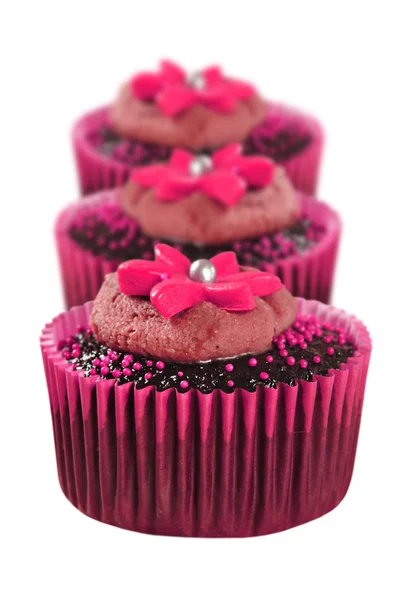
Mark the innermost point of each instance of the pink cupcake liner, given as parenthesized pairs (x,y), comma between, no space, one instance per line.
(98,172)
(209,465)
(309,275)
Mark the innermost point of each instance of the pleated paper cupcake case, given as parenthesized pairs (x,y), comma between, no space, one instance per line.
(309,275)
(213,465)
(98,172)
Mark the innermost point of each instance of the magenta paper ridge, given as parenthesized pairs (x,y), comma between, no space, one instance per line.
(208,465)
(98,172)
(309,275)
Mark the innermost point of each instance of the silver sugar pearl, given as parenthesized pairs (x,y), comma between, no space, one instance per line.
(196,80)
(200,164)
(202,270)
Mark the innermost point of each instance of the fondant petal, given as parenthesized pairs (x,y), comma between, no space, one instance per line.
(212,75)
(172,297)
(227,156)
(258,171)
(260,284)
(146,85)
(137,277)
(230,296)
(176,187)
(172,73)
(174,260)
(180,159)
(225,264)
(224,186)
(150,176)
(175,99)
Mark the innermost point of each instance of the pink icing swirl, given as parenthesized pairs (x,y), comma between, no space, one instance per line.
(174,285)
(226,177)
(174,92)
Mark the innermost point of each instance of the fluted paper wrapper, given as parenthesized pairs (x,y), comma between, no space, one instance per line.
(215,465)
(309,275)
(98,172)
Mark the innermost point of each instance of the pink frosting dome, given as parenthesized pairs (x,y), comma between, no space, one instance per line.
(204,332)
(199,218)
(197,127)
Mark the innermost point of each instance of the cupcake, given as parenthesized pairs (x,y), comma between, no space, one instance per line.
(202,204)
(205,110)
(202,399)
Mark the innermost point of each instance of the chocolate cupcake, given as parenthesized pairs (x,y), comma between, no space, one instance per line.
(202,399)
(157,112)
(202,204)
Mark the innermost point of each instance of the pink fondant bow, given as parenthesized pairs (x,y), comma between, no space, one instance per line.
(174,91)
(227,179)
(168,283)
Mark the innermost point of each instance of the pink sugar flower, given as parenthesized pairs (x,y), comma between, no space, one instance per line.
(225,176)
(174,91)
(174,284)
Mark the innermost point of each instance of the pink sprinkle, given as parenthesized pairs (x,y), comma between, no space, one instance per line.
(303,363)
(137,366)
(127,372)
(184,384)
(180,373)
(290,360)
(117,373)
(230,383)
(269,358)
(283,352)
(160,365)
(303,345)
(113,355)
(105,370)
(96,362)
(93,372)
(316,359)
(280,346)
(229,367)
(328,339)
(105,360)
(126,361)
(147,375)
(76,353)
(149,363)
(330,350)
(67,354)
(252,362)
(263,375)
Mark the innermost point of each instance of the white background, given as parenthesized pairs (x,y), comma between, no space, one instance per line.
(347,62)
